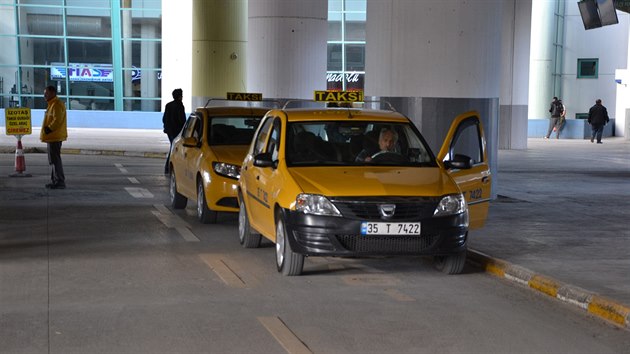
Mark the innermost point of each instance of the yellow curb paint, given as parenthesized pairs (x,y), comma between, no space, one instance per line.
(155,154)
(497,269)
(609,310)
(544,285)
(71,151)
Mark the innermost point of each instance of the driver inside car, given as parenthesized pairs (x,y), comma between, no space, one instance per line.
(387,140)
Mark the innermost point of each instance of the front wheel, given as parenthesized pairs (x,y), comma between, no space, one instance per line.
(289,263)
(204,214)
(178,201)
(451,264)
(246,235)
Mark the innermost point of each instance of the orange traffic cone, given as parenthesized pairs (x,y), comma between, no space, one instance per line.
(20,163)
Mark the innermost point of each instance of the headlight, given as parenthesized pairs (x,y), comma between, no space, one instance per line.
(451,205)
(227,170)
(315,204)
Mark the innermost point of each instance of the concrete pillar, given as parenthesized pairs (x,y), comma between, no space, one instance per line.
(219,48)
(148,59)
(288,39)
(436,59)
(541,80)
(177,50)
(515,42)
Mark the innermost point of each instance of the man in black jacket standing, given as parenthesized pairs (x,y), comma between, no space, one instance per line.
(173,119)
(597,118)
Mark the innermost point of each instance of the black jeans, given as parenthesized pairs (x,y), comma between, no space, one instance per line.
(54,160)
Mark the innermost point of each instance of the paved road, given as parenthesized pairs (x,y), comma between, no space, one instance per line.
(105,266)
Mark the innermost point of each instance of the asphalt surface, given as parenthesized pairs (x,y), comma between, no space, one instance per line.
(559,225)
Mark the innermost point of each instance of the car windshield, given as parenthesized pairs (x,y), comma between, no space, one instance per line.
(356,143)
(232,130)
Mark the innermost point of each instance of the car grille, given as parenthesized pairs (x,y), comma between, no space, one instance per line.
(367,208)
(386,244)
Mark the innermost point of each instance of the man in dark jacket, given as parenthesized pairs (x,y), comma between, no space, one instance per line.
(556,109)
(173,119)
(597,118)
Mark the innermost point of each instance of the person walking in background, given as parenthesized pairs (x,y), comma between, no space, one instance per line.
(173,120)
(556,110)
(54,132)
(597,118)
(561,120)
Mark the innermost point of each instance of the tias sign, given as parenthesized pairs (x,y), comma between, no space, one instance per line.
(82,72)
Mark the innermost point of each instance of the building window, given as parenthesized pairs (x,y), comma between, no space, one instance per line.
(587,68)
(346,44)
(100,54)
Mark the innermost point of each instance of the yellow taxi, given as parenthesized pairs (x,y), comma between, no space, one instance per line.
(359,182)
(206,157)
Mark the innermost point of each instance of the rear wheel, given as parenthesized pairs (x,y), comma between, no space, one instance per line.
(204,214)
(246,235)
(178,201)
(451,264)
(289,263)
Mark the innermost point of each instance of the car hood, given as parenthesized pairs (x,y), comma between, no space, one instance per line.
(232,154)
(374,181)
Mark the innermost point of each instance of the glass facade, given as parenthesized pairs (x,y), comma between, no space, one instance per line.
(100,54)
(346,45)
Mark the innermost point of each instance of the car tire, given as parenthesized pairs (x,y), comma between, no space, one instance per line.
(246,235)
(204,214)
(289,263)
(178,201)
(451,264)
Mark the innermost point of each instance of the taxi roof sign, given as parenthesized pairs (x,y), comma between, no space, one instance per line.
(244,96)
(339,96)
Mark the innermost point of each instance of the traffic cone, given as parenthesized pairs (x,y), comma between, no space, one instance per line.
(20,163)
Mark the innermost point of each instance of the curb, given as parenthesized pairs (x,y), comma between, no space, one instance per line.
(72,151)
(160,155)
(609,310)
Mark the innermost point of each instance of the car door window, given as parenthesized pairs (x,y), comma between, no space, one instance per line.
(261,138)
(467,141)
(192,126)
(274,140)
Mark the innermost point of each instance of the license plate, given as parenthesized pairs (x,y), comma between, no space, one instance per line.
(390,228)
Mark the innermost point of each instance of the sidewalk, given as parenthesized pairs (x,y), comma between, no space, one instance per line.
(559,225)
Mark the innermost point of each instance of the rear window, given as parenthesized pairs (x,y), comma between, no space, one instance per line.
(356,143)
(232,130)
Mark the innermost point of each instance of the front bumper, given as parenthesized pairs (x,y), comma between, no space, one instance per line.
(314,235)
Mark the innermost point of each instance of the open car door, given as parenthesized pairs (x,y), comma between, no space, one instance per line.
(464,157)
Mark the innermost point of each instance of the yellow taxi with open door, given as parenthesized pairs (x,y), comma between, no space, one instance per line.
(206,157)
(350,181)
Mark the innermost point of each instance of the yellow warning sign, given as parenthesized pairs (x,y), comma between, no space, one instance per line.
(244,96)
(339,96)
(18,121)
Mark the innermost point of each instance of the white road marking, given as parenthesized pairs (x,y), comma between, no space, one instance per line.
(224,272)
(121,168)
(133,180)
(289,341)
(173,221)
(137,192)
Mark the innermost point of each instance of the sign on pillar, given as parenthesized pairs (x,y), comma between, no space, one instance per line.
(18,123)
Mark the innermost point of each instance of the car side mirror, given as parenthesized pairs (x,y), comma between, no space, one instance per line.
(190,142)
(460,162)
(264,160)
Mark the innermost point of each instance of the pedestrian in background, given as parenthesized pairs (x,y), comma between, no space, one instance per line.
(173,120)
(597,118)
(556,110)
(54,132)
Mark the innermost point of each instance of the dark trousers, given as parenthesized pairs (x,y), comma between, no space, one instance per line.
(168,156)
(54,160)
(552,123)
(598,130)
